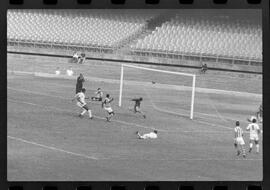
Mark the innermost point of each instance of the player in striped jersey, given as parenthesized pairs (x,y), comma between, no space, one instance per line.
(254,131)
(238,140)
(106,104)
(80,97)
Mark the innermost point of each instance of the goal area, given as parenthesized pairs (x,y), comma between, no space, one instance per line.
(166,91)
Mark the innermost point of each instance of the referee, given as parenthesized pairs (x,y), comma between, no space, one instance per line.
(79,84)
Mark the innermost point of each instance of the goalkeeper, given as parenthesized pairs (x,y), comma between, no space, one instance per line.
(137,106)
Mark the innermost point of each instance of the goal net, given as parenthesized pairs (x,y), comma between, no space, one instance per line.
(169,92)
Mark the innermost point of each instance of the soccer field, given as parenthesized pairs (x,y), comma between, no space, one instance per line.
(47,141)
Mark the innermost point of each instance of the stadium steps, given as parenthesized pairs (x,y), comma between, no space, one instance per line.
(160,19)
(151,25)
(125,46)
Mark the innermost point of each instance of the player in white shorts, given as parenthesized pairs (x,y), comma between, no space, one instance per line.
(80,97)
(254,131)
(151,135)
(106,104)
(238,140)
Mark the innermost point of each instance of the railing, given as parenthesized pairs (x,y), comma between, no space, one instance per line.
(201,57)
(140,53)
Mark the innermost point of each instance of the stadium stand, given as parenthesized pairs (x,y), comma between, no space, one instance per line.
(232,37)
(87,28)
(206,36)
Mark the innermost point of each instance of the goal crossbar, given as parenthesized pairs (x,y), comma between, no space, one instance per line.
(161,71)
(157,70)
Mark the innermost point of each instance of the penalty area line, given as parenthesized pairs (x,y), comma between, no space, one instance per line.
(119,121)
(193,159)
(53,148)
(124,123)
(95,116)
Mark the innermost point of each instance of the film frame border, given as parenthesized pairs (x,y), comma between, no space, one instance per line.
(134,4)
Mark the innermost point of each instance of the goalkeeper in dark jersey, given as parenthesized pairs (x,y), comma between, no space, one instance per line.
(137,106)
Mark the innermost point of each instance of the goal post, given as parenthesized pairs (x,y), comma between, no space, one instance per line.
(159,71)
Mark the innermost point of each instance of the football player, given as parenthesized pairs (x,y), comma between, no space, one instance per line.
(106,104)
(239,142)
(98,96)
(80,97)
(254,131)
(137,106)
(151,135)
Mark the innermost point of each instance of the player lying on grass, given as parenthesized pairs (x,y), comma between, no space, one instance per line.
(254,131)
(151,135)
(239,142)
(106,104)
(137,106)
(80,97)
(98,96)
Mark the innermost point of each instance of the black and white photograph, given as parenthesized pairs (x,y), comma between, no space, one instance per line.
(134,95)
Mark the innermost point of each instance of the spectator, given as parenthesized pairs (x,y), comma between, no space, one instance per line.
(75,57)
(204,68)
(57,72)
(79,84)
(82,58)
(69,71)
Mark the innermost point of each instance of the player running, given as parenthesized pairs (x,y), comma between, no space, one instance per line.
(151,135)
(98,96)
(254,131)
(137,106)
(239,142)
(80,97)
(106,104)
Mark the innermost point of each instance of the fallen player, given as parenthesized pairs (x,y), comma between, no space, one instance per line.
(98,96)
(151,135)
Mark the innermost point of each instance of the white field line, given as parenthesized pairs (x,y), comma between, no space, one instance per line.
(216,110)
(158,109)
(193,159)
(174,113)
(138,125)
(121,158)
(45,94)
(124,123)
(38,93)
(95,116)
(162,86)
(53,148)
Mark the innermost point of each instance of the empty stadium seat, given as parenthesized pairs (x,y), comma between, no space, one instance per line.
(186,34)
(91,27)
